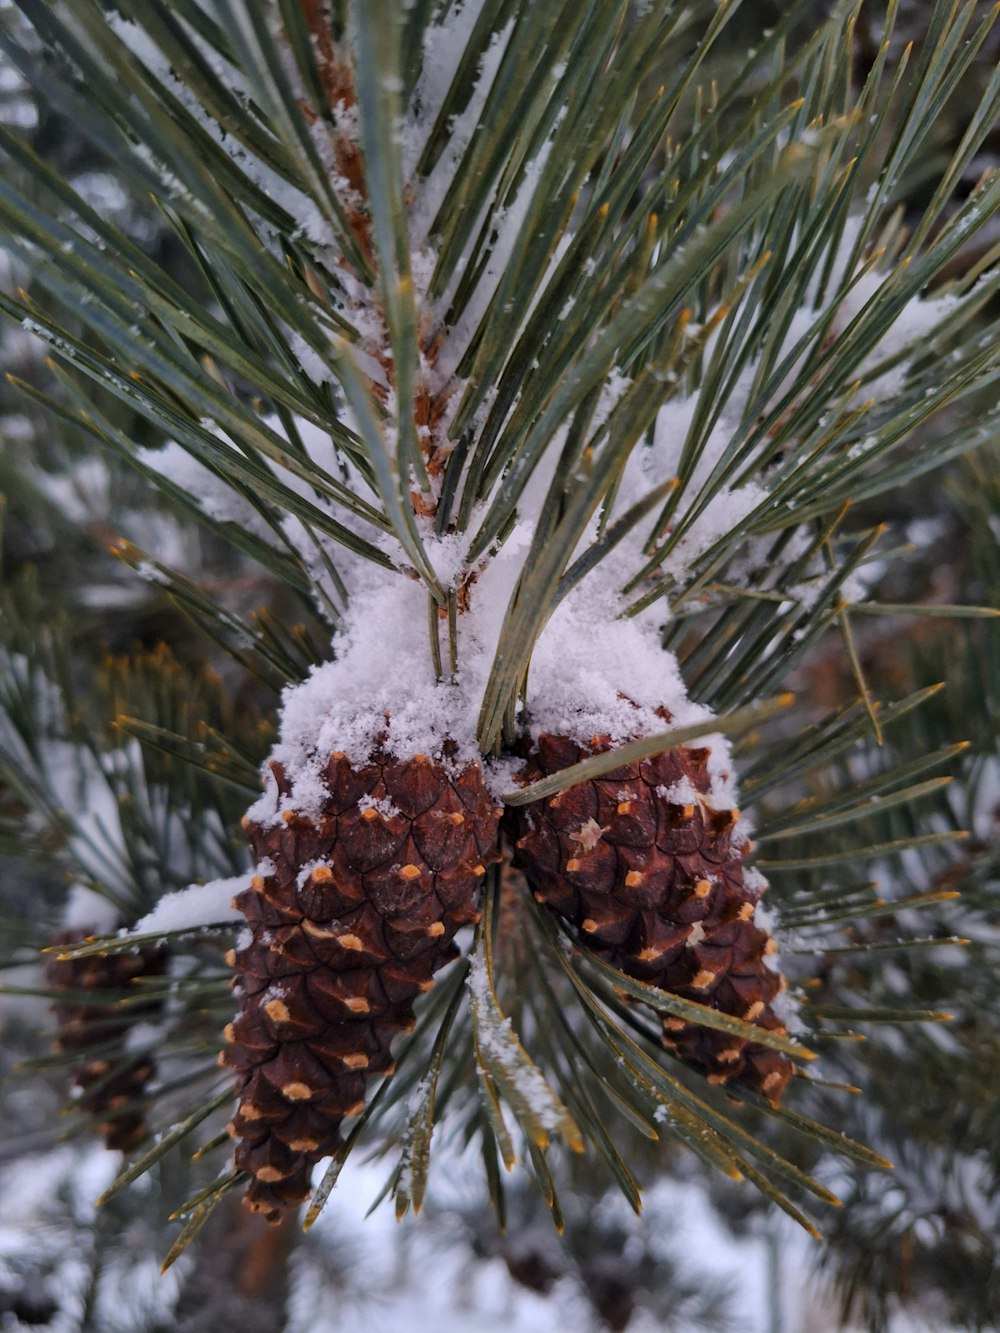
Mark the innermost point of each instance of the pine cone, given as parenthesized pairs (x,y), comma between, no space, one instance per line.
(353,911)
(112,1083)
(645,869)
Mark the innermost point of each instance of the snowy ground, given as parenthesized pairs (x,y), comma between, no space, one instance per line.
(410,1276)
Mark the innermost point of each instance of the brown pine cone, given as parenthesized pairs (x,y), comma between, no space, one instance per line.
(112,1083)
(353,911)
(645,868)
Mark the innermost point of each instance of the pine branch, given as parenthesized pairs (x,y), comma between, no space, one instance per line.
(479,328)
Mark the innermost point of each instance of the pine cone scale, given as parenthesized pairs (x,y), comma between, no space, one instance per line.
(644,867)
(114,1084)
(353,911)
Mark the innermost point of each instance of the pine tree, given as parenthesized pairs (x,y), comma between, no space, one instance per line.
(551,371)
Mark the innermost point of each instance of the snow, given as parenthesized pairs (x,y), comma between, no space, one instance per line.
(197,905)
(442,50)
(593,670)
(214,497)
(420,1273)
(728,506)
(90,911)
(80,492)
(682,792)
(87,786)
(496,1036)
(506,224)
(421,1269)
(382,804)
(49,1228)
(918,319)
(986,806)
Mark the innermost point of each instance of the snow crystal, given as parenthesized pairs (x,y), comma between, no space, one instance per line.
(682,792)
(382,804)
(197,905)
(756,883)
(594,674)
(265,807)
(307,868)
(147,570)
(786,1005)
(497,1037)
